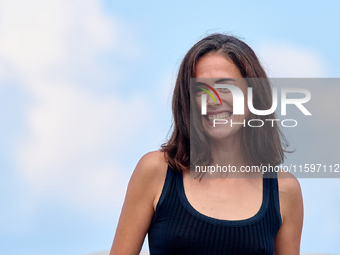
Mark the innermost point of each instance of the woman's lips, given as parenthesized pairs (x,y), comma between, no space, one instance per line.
(221,115)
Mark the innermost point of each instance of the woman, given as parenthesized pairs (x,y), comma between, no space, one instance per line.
(184,215)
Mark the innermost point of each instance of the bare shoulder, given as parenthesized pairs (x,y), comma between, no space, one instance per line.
(138,210)
(288,238)
(151,172)
(290,194)
(288,184)
(151,166)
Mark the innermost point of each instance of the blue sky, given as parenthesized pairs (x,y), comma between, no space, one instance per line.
(85,91)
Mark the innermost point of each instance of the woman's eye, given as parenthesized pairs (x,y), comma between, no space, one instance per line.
(199,91)
(224,90)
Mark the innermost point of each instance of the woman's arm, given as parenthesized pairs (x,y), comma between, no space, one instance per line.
(144,188)
(287,240)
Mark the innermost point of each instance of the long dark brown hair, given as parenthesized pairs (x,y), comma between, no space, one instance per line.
(265,145)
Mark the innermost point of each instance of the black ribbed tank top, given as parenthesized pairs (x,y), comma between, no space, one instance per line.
(177,228)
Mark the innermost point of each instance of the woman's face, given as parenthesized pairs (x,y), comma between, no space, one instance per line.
(220,70)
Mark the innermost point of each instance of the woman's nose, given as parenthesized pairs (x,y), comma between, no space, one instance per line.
(212,99)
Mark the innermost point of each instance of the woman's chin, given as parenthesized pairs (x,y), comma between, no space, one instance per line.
(219,135)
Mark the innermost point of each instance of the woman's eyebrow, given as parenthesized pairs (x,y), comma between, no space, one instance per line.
(200,84)
(219,81)
(225,80)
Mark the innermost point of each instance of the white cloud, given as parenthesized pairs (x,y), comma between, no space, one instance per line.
(68,129)
(37,34)
(325,106)
(2,73)
(165,88)
(287,60)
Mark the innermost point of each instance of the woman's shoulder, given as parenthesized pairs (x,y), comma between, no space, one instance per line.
(287,239)
(290,195)
(288,184)
(152,164)
(150,174)
(137,211)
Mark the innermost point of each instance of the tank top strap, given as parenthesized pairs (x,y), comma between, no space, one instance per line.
(169,181)
(275,201)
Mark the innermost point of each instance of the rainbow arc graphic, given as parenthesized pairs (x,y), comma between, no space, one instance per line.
(208,92)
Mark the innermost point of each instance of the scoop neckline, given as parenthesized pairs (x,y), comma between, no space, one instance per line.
(251,220)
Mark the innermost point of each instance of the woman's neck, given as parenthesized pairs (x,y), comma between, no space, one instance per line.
(228,152)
